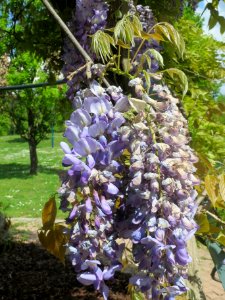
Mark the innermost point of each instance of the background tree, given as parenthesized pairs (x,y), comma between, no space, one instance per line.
(32,111)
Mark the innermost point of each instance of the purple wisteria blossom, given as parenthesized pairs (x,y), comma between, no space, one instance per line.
(90,192)
(130,174)
(160,202)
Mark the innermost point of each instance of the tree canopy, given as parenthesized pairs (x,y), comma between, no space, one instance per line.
(32,111)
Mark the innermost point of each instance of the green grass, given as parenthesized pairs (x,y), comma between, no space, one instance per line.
(23,195)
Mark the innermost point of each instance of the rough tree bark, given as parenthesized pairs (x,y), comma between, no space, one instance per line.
(32,143)
(33,157)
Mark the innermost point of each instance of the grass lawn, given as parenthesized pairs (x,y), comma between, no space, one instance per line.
(23,195)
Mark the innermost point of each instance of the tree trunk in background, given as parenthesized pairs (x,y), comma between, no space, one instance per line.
(33,157)
(32,141)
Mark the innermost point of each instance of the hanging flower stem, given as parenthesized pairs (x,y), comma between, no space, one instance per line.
(70,35)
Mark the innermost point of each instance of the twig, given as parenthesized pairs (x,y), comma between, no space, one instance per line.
(75,42)
(201,198)
(71,75)
(214,217)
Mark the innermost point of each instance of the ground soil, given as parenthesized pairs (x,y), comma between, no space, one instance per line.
(28,272)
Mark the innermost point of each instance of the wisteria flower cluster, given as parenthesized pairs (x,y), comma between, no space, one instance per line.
(130,176)
(93,185)
(156,206)
(160,201)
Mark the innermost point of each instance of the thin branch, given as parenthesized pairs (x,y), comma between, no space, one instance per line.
(71,75)
(201,198)
(87,58)
(67,31)
(214,217)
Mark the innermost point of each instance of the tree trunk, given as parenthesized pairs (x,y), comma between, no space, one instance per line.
(33,157)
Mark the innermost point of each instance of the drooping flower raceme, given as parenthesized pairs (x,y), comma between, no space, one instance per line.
(160,202)
(92,187)
(130,177)
(156,195)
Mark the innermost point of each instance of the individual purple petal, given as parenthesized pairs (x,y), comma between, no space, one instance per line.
(137,234)
(122,105)
(116,147)
(97,106)
(86,278)
(99,273)
(111,188)
(97,222)
(85,177)
(97,129)
(81,118)
(90,263)
(96,88)
(182,256)
(96,198)
(103,140)
(104,291)
(73,213)
(150,239)
(170,256)
(90,161)
(66,149)
(70,159)
(84,133)
(86,146)
(72,134)
(116,123)
(88,205)
(160,234)
(110,271)
(105,206)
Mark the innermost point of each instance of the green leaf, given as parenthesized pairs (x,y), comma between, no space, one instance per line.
(126,64)
(137,26)
(54,240)
(221,21)
(148,80)
(101,45)
(222,186)
(154,36)
(121,44)
(157,56)
(213,20)
(126,29)
(203,223)
(221,238)
(172,35)
(215,187)
(49,213)
(180,75)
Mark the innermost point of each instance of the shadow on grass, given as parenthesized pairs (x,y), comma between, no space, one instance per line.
(16,140)
(21,235)
(22,171)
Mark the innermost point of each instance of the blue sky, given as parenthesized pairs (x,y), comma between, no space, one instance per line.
(216,30)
